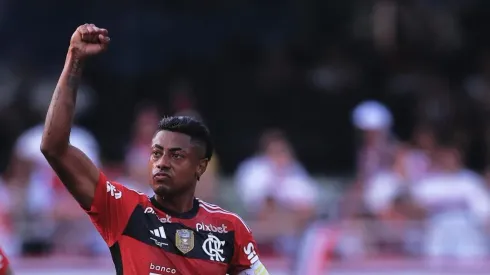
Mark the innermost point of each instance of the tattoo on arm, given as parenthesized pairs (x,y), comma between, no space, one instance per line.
(75,73)
(60,114)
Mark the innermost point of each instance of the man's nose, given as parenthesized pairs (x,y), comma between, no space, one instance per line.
(163,162)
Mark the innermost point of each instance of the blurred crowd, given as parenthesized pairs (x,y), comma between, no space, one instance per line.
(414,198)
(402,86)
(409,198)
(39,217)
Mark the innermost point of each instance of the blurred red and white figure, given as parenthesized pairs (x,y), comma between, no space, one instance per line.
(4,264)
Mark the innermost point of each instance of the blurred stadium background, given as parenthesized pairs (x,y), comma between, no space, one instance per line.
(353,136)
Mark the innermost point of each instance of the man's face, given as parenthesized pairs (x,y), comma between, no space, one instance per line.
(449,159)
(280,153)
(373,137)
(175,163)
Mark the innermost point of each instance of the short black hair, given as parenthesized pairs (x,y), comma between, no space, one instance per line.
(192,127)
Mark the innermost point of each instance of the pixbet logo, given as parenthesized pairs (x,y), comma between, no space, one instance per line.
(216,229)
(167,218)
(149,210)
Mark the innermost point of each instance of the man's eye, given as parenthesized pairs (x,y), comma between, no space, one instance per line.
(177,156)
(156,154)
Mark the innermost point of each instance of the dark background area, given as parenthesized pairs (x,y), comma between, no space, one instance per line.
(249,65)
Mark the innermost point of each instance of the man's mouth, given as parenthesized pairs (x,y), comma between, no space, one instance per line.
(161,176)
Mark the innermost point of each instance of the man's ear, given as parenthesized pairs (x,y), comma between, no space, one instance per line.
(201,168)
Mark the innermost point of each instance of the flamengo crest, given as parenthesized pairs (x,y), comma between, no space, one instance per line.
(214,248)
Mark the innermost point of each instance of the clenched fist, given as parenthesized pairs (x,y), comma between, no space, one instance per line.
(89,40)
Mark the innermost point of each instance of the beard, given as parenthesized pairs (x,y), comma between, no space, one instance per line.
(170,188)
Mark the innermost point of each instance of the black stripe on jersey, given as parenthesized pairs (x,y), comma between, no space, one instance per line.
(116,258)
(140,225)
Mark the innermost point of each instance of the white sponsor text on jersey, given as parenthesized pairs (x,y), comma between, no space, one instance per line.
(209,227)
(167,219)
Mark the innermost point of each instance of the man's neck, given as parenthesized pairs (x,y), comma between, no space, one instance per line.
(179,204)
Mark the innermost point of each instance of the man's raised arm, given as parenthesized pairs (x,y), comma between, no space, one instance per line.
(73,167)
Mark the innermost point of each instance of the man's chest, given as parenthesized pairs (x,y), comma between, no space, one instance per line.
(162,244)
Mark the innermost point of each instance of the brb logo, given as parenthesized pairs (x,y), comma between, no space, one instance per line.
(216,229)
(161,268)
(112,190)
(213,247)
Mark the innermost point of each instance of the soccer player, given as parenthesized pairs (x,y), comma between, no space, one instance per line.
(4,264)
(170,233)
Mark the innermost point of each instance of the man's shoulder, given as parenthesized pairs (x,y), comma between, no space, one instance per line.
(118,189)
(216,212)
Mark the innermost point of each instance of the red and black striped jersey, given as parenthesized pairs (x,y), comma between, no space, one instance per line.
(4,263)
(147,239)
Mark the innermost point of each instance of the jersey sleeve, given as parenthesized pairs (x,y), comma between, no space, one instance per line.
(4,263)
(111,208)
(246,257)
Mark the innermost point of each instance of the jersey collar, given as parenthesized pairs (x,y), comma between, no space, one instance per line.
(185,215)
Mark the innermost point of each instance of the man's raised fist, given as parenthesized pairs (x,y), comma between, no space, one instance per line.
(89,40)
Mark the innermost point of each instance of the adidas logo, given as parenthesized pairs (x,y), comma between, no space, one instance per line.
(159,232)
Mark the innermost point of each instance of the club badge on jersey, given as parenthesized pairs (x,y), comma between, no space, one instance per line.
(184,240)
(213,247)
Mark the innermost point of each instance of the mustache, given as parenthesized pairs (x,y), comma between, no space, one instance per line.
(159,172)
